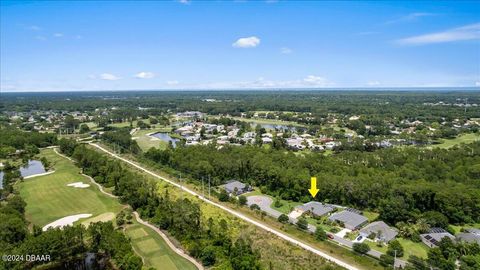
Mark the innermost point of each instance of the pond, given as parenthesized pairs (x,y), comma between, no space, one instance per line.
(33,167)
(164,136)
(1,179)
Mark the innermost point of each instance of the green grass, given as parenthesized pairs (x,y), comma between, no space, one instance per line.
(49,198)
(464,138)
(372,216)
(156,253)
(146,142)
(286,207)
(412,248)
(374,246)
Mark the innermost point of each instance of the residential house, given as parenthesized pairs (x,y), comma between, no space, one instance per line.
(351,218)
(315,208)
(381,230)
(469,236)
(236,187)
(433,238)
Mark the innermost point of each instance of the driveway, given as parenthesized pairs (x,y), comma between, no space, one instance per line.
(264,203)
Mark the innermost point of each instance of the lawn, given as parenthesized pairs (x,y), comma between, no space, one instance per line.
(464,138)
(412,248)
(49,198)
(374,246)
(146,142)
(372,216)
(156,253)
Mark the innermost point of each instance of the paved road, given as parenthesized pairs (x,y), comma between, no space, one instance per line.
(264,203)
(235,213)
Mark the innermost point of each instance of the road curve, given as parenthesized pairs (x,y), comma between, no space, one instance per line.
(256,223)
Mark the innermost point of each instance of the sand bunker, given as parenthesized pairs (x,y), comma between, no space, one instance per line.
(78,185)
(66,221)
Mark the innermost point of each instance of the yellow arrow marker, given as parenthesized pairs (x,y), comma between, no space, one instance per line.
(313,188)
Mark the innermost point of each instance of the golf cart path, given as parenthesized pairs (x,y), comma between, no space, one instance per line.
(141,221)
(100,187)
(167,240)
(235,213)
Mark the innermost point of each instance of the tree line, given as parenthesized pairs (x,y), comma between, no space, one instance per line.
(208,240)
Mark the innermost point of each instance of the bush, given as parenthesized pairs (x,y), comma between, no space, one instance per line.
(361,248)
(223,196)
(386,260)
(320,234)
(283,218)
(254,207)
(242,200)
(302,224)
(393,246)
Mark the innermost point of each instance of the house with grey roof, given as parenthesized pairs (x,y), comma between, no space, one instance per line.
(433,238)
(350,218)
(468,237)
(236,187)
(315,208)
(381,230)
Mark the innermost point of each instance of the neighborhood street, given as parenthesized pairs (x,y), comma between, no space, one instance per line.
(235,213)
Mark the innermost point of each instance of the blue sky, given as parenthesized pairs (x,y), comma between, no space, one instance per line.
(54,46)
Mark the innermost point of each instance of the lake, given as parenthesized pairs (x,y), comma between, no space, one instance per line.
(273,126)
(31,168)
(164,136)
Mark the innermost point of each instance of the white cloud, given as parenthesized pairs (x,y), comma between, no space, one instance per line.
(185,2)
(373,83)
(173,82)
(477,83)
(145,75)
(78,37)
(42,38)
(285,50)
(410,17)
(34,28)
(316,81)
(109,77)
(58,35)
(247,42)
(467,32)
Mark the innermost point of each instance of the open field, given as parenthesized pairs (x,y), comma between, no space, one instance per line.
(146,142)
(156,253)
(464,138)
(49,198)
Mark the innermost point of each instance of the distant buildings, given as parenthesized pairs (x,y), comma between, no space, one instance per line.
(350,218)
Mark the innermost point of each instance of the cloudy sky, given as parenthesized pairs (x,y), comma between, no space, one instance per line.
(55,46)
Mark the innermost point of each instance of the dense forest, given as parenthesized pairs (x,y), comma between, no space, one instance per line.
(386,104)
(400,183)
